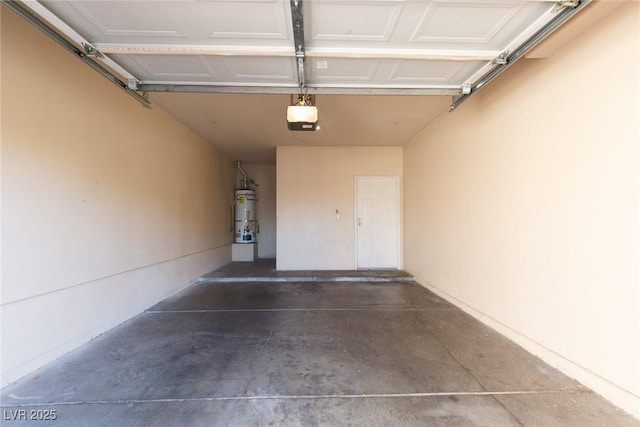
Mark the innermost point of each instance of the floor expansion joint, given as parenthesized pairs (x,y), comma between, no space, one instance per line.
(299,397)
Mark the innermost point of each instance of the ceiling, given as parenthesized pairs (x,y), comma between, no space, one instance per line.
(381,69)
(248,126)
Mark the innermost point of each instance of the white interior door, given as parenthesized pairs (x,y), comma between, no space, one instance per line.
(377,221)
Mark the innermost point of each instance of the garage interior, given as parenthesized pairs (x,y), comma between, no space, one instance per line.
(517,213)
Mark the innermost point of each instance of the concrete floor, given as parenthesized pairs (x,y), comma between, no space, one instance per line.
(289,352)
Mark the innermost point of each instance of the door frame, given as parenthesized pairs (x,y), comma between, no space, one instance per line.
(396,179)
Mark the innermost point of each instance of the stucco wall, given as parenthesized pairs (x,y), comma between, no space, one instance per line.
(522,206)
(314,182)
(107,207)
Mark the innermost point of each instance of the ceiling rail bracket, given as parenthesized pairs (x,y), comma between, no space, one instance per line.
(501,59)
(569,3)
(91,51)
(133,83)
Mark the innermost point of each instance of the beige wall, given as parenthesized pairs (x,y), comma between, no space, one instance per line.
(312,182)
(522,206)
(107,207)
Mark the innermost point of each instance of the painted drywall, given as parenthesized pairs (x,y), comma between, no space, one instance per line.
(522,206)
(1,81)
(314,182)
(107,207)
(265,177)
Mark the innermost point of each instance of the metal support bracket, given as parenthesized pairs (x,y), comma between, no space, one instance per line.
(454,102)
(301,79)
(91,51)
(133,84)
(303,99)
(297,19)
(501,59)
(569,3)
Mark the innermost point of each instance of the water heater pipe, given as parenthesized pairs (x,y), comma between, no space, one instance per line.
(245,183)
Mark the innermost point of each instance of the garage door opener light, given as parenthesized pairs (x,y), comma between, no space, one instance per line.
(302,114)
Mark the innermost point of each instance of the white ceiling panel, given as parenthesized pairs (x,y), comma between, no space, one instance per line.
(238,22)
(442,24)
(459,22)
(489,24)
(372,44)
(411,72)
(168,67)
(340,70)
(267,19)
(390,73)
(210,69)
(266,70)
(333,20)
(122,19)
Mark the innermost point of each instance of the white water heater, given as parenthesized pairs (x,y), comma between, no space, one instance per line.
(245,216)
